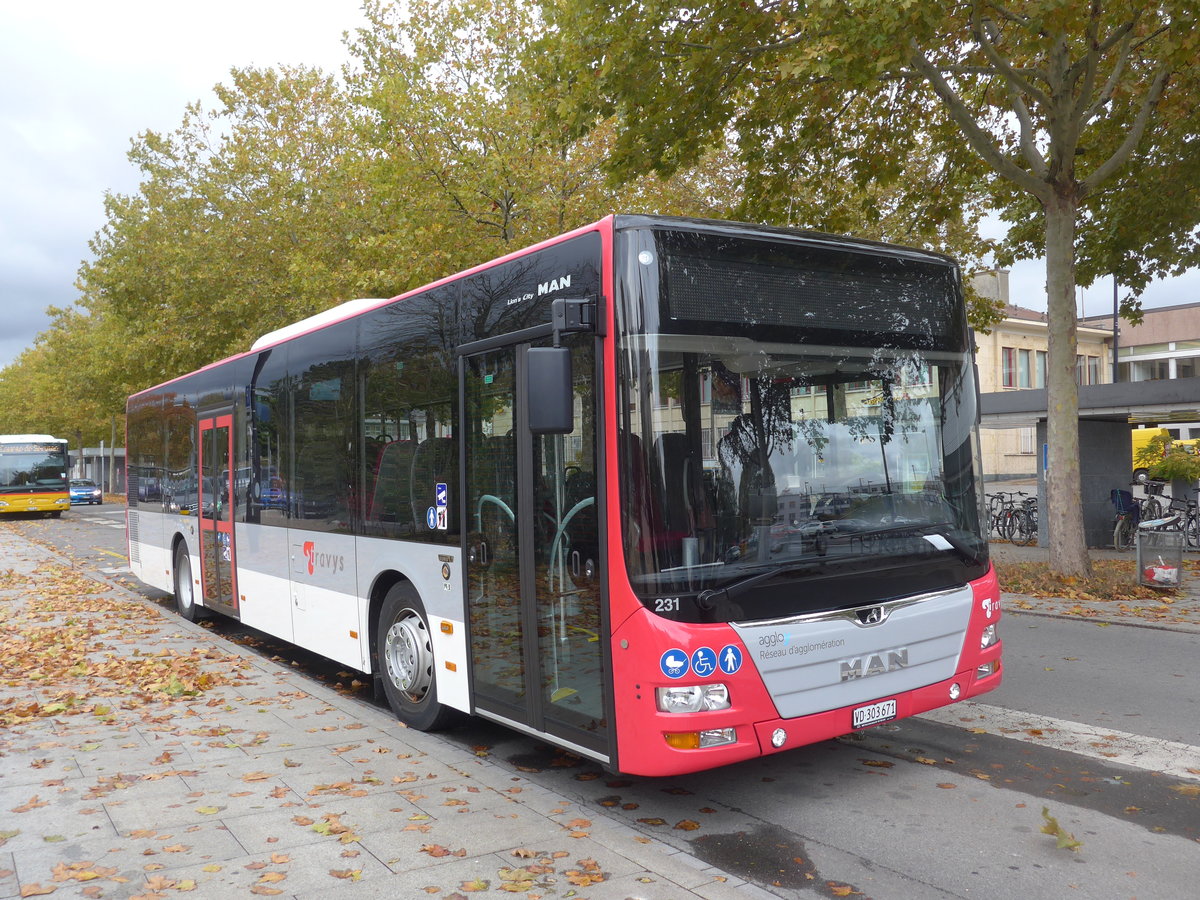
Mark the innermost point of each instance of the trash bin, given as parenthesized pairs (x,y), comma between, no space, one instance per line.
(1159,557)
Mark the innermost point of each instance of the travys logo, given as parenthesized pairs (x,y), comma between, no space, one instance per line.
(334,562)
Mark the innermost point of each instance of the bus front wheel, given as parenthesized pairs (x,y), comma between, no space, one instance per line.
(404,647)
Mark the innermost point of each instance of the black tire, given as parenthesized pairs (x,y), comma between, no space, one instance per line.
(1023,531)
(404,652)
(1193,530)
(1006,525)
(1141,476)
(1123,534)
(1151,509)
(185,594)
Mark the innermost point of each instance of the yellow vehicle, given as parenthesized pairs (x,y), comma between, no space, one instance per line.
(1140,441)
(33,474)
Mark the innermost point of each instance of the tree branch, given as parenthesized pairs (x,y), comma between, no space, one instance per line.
(1132,139)
(1002,65)
(1029,149)
(1086,67)
(976,136)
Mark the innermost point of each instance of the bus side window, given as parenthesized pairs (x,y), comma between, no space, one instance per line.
(388,506)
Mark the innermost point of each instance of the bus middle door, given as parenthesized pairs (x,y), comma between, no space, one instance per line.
(218,555)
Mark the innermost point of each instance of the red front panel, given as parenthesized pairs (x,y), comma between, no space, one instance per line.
(641,641)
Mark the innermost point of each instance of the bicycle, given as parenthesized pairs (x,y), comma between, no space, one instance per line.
(1129,515)
(995,503)
(1012,520)
(1030,509)
(1152,506)
(1186,519)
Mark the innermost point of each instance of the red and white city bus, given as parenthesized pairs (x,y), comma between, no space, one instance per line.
(666,493)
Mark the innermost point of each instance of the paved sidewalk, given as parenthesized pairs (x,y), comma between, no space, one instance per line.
(1178,611)
(143,756)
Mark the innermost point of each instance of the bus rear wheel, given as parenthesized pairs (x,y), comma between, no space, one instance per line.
(185,596)
(404,647)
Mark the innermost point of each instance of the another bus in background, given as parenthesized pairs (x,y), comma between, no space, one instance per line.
(33,474)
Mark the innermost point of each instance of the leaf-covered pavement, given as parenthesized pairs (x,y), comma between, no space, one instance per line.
(1111,594)
(145,757)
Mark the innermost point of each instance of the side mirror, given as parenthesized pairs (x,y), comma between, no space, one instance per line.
(550,395)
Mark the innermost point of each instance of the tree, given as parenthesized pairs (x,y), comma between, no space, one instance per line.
(1052,106)
(469,144)
(291,193)
(242,223)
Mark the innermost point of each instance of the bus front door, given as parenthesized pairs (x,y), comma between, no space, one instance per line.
(532,549)
(218,555)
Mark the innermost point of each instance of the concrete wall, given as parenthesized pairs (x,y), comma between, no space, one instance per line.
(1159,326)
(1103,465)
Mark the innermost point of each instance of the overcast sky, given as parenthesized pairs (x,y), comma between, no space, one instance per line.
(80,79)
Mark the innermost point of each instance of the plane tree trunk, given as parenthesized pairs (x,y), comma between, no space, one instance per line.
(1063,511)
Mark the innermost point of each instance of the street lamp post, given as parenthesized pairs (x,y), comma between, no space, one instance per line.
(1116,330)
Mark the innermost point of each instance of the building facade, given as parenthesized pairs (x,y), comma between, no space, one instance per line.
(1012,357)
(1166,344)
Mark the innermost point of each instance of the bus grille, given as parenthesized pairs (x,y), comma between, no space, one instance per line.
(135,553)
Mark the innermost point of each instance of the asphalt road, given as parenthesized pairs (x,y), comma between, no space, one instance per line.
(1134,679)
(971,803)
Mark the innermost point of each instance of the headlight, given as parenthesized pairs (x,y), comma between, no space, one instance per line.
(988,637)
(692,698)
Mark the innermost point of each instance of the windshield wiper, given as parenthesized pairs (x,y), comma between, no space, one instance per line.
(710,598)
(944,530)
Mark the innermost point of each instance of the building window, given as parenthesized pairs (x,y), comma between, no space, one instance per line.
(1024,373)
(1020,368)
(1087,369)
(1028,440)
(1148,370)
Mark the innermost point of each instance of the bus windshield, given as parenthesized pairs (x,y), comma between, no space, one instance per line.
(759,457)
(32,467)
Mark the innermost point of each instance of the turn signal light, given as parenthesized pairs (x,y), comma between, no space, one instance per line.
(697,740)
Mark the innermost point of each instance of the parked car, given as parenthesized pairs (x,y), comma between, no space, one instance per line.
(84,490)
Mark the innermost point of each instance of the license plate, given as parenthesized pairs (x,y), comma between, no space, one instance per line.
(874,713)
